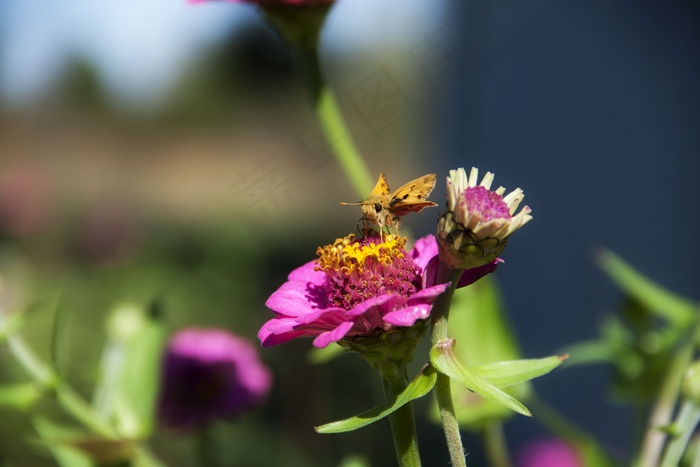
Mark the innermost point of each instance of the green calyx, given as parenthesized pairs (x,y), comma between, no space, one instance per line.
(460,248)
(388,351)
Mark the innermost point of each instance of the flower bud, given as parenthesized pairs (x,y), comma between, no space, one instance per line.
(476,226)
(690,386)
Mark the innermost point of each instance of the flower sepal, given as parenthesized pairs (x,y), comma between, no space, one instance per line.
(461,249)
(389,351)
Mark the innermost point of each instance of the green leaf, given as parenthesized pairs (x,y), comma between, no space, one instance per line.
(324,355)
(659,300)
(588,352)
(12,321)
(503,374)
(19,396)
(479,321)
(419,387)
(442,356)
(130,370)
(54,437)
(9,324)
(355,461)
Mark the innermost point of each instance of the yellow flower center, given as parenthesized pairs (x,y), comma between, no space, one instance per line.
(357,270)
(348,255)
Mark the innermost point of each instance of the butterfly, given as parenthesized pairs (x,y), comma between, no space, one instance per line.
(384,209)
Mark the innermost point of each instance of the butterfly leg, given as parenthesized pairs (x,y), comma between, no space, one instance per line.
(365,230)
(394,224)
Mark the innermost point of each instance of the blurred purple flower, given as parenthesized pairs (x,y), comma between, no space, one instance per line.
(210,374)
(549,452)
(358,288)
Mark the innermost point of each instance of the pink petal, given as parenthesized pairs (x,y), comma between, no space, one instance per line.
(424,250)
(472,275)
(332,336)
(384,301)
(430,272)
(428,295)
(270,334)
(306,273)
(280,325)
(409,315)
(325,318)
(295,298)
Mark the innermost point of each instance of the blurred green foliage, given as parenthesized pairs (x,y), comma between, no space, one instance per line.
(101,327)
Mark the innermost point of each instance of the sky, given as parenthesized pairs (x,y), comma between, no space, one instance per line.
(138,48)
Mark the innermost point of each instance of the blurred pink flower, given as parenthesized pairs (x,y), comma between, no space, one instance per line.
(25,201)
(210,374)
(548,452)
(358,288)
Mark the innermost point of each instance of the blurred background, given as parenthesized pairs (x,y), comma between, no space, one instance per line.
(165,151)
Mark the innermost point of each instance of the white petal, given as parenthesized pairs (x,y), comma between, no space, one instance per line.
(513,199)
(451,194)
(473,177)
(489,228)
(487,181)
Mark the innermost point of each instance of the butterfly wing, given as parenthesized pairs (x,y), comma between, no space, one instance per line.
(381,188)
(379,192)
(411,197)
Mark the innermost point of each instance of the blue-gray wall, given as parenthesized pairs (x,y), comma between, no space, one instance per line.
(593,108)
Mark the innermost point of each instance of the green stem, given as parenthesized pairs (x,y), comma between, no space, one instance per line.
(309,69)
(46,377)
(207,448)
(330,117)
(342,143)
(441,309)
(443,390)
(652,446)
(696,458)
(685,424)
(495,443)
(403,425)
(450,426)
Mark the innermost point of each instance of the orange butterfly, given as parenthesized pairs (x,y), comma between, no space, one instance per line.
(384,209)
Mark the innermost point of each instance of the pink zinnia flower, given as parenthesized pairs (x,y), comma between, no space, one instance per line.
(210,374)
(358,288)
